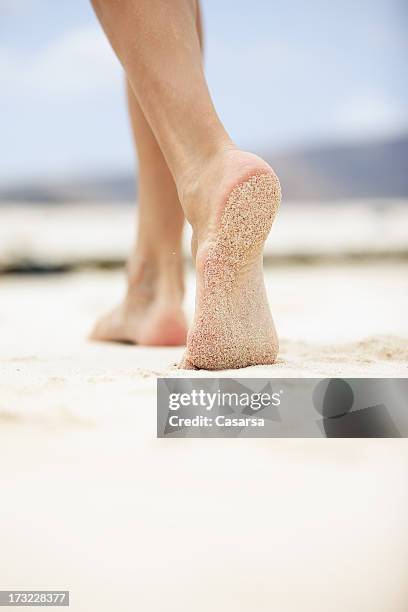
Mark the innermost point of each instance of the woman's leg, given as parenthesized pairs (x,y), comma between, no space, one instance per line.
(151,311)
(229,196)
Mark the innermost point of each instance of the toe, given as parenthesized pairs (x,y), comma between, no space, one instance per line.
(186,364)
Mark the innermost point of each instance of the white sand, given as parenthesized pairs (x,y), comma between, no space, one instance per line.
(46,234)
(333,320)
(91,501)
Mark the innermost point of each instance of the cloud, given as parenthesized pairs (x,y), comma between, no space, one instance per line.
(78,63)
(372,114)
(13,8)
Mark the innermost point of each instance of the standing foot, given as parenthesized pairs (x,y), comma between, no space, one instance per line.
(150,314)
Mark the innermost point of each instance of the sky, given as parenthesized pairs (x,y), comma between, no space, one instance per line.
(284,74)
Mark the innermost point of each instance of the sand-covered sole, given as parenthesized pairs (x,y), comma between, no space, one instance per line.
(233,327)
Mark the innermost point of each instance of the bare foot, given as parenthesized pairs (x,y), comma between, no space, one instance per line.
(231,206)
(150,314)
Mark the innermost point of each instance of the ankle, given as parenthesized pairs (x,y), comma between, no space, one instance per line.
(153,274)
(189,181)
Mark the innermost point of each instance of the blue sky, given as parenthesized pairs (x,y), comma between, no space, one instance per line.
(283,74)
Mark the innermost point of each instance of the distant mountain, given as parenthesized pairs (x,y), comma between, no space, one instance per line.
(369,170)
(116,188)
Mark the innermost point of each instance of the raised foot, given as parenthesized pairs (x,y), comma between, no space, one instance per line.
(233,326)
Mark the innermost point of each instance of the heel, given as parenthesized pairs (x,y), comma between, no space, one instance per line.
(249,213)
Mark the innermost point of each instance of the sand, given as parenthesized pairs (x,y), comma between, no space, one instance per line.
(45,235)
(333,320)
(91,501)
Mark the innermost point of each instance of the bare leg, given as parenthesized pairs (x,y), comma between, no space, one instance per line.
(229,196)
(151,312)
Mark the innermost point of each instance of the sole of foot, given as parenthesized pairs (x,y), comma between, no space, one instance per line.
(233,325)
